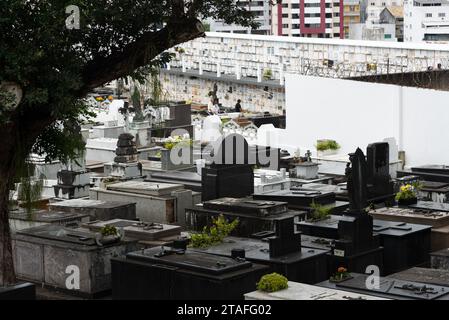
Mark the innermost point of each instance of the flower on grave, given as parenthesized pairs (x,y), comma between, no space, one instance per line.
(342,270)
(407,192)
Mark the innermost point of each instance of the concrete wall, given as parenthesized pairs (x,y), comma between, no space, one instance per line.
(357,113)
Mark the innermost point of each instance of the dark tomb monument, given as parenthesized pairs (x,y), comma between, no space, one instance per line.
(355,246)
(178,274)
(436,173)
(231,172)
(281,251)
(254,216)
(391,288)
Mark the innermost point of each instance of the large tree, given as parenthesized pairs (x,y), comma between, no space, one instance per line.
(54,67)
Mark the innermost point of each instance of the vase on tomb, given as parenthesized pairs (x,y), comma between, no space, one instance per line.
(407,202)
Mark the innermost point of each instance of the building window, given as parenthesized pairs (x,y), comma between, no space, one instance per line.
(387,36)
(441,14)
(428,15)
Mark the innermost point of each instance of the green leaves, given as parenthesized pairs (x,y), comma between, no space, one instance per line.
(219,230)
(272,283)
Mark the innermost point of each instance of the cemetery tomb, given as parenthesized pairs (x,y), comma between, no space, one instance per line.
(190,180)
(21,220)
(280,250)
(418,214)
(391,288)
(97,209)
(125,165)
(302,291)
(42,255)
(440,259)
(73,181)
(172,274)
(434,191)
(405,245)
(255,216)
(138,230)
(436,173)
(424,275)
(155,202)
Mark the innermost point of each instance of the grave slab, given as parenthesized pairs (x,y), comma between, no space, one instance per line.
(145,188)
(20,220)
(138,230)
(391,288)
(304,292)
(97,209)
(165,274)
(424,275)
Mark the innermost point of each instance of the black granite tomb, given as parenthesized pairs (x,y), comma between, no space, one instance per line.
(19,292)
(231,173)
(254,216)
(391,288)
(405,245)
(437,173)
(282,252)
(174,274)
(355,247)
(190,180)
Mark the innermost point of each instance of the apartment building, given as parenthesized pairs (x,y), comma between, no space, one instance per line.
(308,18)
(426,20)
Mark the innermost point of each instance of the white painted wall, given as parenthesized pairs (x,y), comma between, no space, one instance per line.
(359,113)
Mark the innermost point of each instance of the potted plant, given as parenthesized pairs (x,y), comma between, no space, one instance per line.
(109,234)
(407,195)
(272,283)
(341,275)
(327,147)
(267,74)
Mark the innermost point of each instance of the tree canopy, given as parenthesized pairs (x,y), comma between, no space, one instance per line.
(46,69)
(56,66)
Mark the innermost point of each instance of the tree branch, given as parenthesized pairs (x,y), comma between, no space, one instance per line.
(138,54)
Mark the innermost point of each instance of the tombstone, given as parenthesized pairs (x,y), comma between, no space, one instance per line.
(378,175)
(177,274)
(73,181)
(280,250)
(211,129)
(355,246)
(391,288)
(125,165)
(420,214)
(230,163)
(42,255)
(255,216)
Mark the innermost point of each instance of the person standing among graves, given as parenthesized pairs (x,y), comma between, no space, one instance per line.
(238,106)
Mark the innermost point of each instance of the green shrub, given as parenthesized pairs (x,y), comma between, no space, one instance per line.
(109,231)
(272,282)
(320,212)
(219,230)
(327,145)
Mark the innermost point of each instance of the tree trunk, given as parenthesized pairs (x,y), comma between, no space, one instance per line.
(7,174)
(18,137)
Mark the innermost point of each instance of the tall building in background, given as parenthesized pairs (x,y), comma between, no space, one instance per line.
(351,15)
(262,11)
(426,20)
(308,18)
